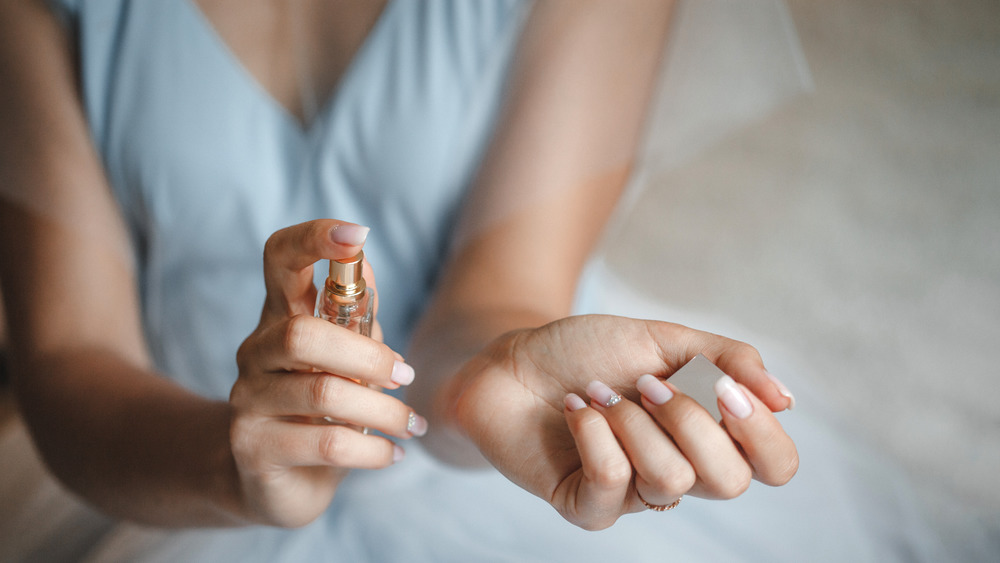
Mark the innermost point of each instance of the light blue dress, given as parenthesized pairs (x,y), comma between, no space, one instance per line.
(206,165)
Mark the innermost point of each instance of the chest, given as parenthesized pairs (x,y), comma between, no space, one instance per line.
(207,163)
(297,50)
(193,139)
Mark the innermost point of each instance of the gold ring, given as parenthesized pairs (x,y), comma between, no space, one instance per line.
(658,508)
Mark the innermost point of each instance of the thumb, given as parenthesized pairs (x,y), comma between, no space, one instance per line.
(290,253)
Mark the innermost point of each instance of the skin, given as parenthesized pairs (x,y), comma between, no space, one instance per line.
(494,361)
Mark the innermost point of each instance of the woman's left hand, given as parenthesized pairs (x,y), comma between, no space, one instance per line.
(518,402)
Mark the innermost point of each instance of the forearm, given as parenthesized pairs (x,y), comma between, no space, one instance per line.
(557,163)
(130,442)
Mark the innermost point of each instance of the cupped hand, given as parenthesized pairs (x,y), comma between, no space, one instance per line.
(519,402)
(297,404)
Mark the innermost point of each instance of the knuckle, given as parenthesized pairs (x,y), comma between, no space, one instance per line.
(273,244)
(242,442)
(270,244)
(241,356)
(630,416)
(687,414)
(331,445)
(315,231)
(746,350)
(612,475)
(595,524)
(245,354)
(768,434)
(588,518)
(589,424)
(675,482)
(239,394)
(734,482)
(372,359)
(298,336)
(323,394)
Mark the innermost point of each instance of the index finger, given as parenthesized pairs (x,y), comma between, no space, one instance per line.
(289,255)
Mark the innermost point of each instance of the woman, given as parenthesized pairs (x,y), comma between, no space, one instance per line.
(152,148)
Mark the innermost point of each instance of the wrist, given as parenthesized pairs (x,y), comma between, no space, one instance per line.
(223,482)
(448,438)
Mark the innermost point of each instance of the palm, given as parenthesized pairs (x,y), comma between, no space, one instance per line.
(512,406)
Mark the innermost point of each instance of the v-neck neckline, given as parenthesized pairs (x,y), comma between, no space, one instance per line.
(304,130)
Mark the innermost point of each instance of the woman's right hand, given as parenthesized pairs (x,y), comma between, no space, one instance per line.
(295,375)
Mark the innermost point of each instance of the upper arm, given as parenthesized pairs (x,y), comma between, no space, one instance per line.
(67,275)
(561,154)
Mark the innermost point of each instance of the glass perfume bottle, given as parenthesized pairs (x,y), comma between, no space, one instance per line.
(347,301)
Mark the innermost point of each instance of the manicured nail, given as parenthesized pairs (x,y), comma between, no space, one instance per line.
(574,402)
(783,390)
(349,235)
(397,454)
(732,397)
(603,394)
(653,389)
(416,424)
(401,373)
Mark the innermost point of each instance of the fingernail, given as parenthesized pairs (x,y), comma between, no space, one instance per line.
(783,390)
(653,389)
(349,235)
(574,402)
(397,453)
(602,394)
(732,397)
(416,424)
(401,373)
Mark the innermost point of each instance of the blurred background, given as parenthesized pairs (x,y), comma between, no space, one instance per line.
(858,225)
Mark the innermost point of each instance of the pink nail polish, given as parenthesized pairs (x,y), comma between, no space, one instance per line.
(402,373)
(603,394)
(416,424)
(732,397)
(783,390)
(653,389)
(397,454)
(349,235)
(573,402)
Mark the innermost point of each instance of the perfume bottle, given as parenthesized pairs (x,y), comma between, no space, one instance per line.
(347,301)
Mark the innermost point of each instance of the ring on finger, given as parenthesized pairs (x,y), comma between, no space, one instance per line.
(659,507)
(330,420)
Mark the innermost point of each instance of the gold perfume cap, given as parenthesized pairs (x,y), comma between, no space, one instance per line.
(346,275)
